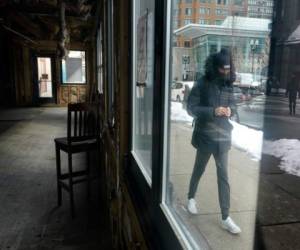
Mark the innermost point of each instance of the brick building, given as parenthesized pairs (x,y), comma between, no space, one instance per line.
(260,8)
(214,12)
(211,12)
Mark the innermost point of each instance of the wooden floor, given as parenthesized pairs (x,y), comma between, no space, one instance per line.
(29,217)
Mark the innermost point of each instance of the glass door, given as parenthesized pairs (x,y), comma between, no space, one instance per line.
(45,80)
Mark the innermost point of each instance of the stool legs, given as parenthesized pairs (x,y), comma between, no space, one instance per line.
(71,184)
(68,177)
(58,176)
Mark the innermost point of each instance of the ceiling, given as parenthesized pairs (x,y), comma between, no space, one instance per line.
(40,19)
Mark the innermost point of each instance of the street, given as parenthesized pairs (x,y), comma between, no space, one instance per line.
(270,114)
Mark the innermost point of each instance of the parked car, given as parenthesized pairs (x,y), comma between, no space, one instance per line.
(180,90)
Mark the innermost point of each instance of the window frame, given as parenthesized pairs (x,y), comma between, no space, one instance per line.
(55,76)
(99,59)
(187,21)
(86,69)
(158,222)
(110,41)
(188,11)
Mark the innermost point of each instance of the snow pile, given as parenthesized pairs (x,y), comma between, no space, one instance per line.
(247,139)
(179,114)
(288,151)
(251,141)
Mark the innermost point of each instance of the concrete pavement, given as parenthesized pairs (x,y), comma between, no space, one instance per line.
(29,216)
(278,220)
(264,199)
(244,176)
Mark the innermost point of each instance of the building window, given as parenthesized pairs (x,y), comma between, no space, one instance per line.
(176,24)
(188,1)
(177,12)
(186,65)
(168,74)
(224,2)
(203,21)
(204,11)
(239,2)
(187,44)
(74,68)
(218,22)
(188,11)
(187,21)
(221,12)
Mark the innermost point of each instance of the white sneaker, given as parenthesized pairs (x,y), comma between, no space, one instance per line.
(230,226)
(192,206)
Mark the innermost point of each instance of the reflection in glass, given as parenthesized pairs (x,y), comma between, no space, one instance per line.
(216,105)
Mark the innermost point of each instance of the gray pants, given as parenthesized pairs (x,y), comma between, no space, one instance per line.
(221,159)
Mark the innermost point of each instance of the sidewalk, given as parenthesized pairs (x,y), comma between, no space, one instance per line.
(244,177)
(257,188)
(278,220)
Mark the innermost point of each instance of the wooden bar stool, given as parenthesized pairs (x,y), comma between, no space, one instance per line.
(82,136)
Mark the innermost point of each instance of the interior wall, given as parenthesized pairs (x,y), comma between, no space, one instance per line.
(70,93)
(19,59)
(7,91)
(126,228)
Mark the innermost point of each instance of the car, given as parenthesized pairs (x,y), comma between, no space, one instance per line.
(179,90)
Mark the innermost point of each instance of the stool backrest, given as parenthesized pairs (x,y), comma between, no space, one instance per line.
(83,122)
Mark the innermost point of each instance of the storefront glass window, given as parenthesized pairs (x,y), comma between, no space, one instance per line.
(214,124)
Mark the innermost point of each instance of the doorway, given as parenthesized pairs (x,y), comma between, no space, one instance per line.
(45,84)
